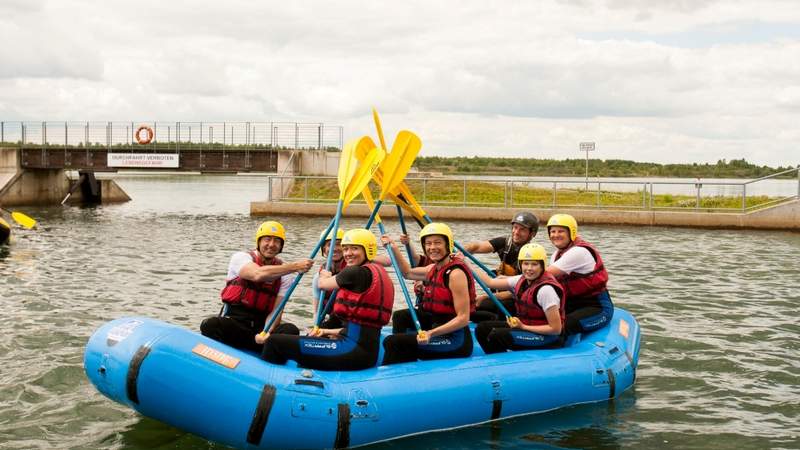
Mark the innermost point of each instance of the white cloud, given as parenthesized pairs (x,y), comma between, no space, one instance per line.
(665,81)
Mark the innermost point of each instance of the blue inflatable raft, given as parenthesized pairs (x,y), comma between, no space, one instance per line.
(225,395)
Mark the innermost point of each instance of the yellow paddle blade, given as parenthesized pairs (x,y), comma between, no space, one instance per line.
(370,203)
(365,146)
(399,201)
(23,220)
(363,174)
(378,127)
(398,163)
(403,193)
(347,165)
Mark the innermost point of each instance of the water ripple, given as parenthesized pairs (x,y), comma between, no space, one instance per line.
(720,353)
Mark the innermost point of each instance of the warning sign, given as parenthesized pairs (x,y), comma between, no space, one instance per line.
(149,160)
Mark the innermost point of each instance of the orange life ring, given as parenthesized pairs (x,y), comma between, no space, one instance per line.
(138,135)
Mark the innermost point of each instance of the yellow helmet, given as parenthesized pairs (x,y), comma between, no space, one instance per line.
(436,228)
(339,235)
(532,252)
(271,228)
(564,220)
(364,238)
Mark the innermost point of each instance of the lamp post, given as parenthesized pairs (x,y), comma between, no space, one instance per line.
(586,147)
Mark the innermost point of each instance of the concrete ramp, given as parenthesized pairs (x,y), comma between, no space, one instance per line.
(5,178)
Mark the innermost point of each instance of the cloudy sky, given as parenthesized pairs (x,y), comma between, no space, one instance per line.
(661,80)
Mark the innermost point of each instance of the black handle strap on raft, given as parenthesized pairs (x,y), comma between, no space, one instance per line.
(612,383)
(497,409)
(132,377)
(315,383)
(261,415)
(343,427)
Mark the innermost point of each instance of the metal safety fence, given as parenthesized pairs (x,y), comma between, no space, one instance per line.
(171,136)
(711,196)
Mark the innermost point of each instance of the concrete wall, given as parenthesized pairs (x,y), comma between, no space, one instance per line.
(781,217)
(9,164)
(36,187)
(306,163)
(43,186)
(319,162)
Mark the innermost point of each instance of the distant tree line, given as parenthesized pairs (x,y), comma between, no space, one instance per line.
(735,168)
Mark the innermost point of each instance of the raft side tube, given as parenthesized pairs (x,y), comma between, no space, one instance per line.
(235,398)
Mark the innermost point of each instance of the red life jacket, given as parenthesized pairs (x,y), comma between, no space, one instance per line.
(371,308)
(437,297)
(418,285)
(336,268)
(528,309)
(577,285)
(258,296)
(505,268)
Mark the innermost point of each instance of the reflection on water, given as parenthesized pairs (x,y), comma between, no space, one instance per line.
(719,362)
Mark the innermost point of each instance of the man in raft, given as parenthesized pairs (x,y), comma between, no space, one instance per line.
(577,265)
(443,311)
(524,226)
(538,307)
(350,339)
(256,282)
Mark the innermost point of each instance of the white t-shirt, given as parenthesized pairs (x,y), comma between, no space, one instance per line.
(239,259)
(576,259)
(547,297)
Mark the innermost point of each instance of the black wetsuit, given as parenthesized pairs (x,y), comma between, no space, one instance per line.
(239,327)
(356,348)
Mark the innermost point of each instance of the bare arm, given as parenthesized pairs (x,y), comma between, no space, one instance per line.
(555,271)
(500,282)
(406,241)
(260,274)
(553,323)
(327,281)
(478,247)
(402,262)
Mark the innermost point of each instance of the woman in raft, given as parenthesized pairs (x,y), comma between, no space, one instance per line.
(350,339)
(443,311)
(538,302)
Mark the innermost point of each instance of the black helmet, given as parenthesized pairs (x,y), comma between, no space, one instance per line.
(528,220)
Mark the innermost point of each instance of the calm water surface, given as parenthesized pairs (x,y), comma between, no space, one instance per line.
(719,368)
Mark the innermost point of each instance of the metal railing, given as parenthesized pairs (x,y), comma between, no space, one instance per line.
(708,196)
(172,136)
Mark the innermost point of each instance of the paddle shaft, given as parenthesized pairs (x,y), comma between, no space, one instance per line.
(466,253)
(402,283)
(329,262)
(328,303)
(405,231)
(376,217)
(277,312)
(480,282)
